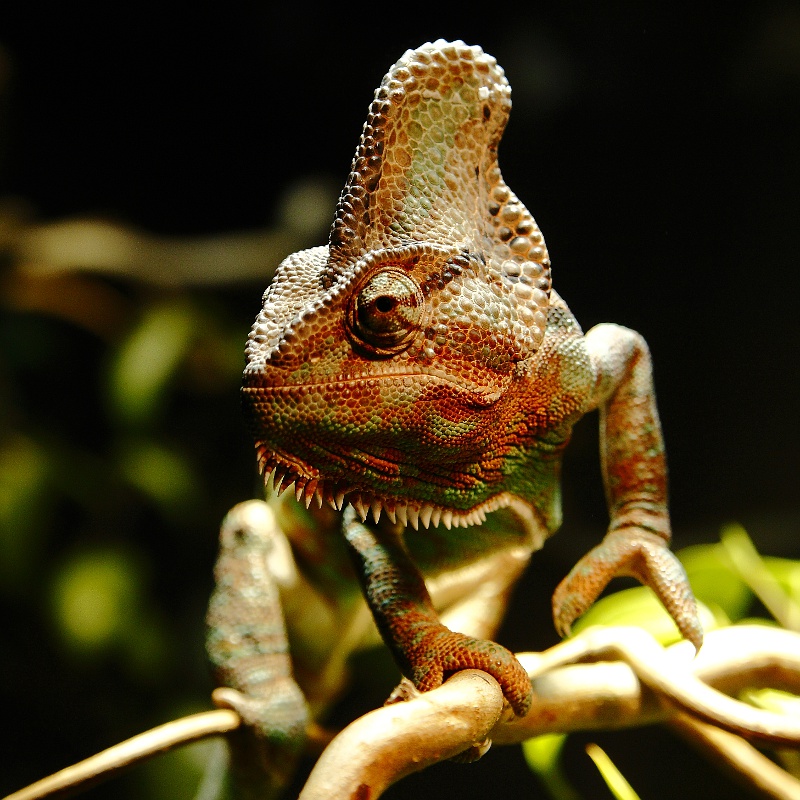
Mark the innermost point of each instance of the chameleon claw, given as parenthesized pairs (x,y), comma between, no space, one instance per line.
(635,553)
(444,651)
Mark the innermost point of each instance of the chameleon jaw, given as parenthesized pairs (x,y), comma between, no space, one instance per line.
(336,494)
(426,514)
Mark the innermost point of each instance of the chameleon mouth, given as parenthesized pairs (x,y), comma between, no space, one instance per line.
(474,395)
(336,494)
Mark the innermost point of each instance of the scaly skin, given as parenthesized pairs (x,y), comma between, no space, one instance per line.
(421,367)
(248,649)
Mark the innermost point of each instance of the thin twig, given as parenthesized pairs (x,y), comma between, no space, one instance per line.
(109,762)
(749,766)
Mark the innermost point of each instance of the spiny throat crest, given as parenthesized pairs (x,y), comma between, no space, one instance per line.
(320,492)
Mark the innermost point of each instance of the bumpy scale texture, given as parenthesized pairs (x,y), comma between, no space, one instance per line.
(248,650)
(421,369)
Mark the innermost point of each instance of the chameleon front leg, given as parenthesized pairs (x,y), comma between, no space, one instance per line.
(247,645)
(425,650)
(635,476)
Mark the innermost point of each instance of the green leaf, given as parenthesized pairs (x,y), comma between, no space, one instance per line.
(786,572)
(774,700)
(714,579)
(165,476)
(753,570)
(614,779)
(96,596)
(641,608)
(542,752)
(25,474)
(100,608)
(543,756)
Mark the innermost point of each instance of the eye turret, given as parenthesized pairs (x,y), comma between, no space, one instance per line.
(386,311)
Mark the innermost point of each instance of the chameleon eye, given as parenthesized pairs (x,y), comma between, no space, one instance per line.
(386,311)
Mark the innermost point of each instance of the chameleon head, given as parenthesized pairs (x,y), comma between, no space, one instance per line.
(382,366)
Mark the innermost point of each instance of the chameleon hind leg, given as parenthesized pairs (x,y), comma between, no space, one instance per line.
(248,648)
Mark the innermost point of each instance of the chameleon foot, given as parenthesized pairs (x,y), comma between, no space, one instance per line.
(443,651)
(266,749)
(638,554)
(280,719)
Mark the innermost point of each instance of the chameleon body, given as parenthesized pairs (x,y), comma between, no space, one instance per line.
(417,379)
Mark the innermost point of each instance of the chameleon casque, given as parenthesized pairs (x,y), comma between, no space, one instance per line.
(417,380)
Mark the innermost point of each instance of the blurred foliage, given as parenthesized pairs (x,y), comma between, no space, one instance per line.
(121,448)
(186,772)
(727,578)
(143,365)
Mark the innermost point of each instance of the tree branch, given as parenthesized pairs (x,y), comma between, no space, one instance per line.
(650,684)
(109,762)
(653,686)
(733,658)
(391,742)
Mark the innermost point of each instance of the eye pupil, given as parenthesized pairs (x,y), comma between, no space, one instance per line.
(385,304)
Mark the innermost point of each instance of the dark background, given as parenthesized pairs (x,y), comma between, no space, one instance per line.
(660,153)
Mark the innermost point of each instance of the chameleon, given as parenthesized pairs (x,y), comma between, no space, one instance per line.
(416,381)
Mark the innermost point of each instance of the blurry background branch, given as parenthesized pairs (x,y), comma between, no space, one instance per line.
(51,262)
(109,248)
